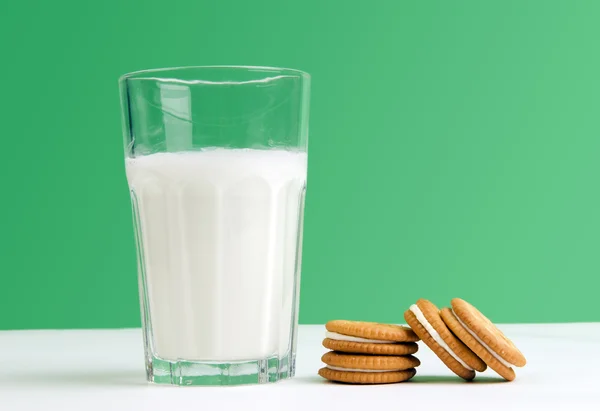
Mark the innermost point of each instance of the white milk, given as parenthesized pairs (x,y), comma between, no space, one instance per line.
(221,235)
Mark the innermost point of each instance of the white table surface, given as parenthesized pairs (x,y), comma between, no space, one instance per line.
(103,370)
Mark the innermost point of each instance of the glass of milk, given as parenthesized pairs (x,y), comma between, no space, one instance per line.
(216,162)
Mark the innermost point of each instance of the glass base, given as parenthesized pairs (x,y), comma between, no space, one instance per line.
(183,372)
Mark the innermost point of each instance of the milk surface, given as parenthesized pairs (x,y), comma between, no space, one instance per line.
(220,234)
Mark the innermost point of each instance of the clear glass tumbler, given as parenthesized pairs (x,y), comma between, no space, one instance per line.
(216,161)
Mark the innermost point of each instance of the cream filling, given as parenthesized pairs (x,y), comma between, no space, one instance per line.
(342,337)
(480,341)
(331,367)
(435,335)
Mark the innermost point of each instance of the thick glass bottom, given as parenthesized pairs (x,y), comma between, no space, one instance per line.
(184,373)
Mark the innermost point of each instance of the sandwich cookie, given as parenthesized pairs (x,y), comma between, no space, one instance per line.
(483,338)
(368,332)
(369,338)
(368,369)
(424,318)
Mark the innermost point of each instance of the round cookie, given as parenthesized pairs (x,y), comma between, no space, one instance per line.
(479,334)
(487,331)
(353,377)
(369,362)
(425,319)
(452,322)
(371,348)
(372,331)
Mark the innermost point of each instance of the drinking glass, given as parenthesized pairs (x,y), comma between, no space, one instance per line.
(216,162)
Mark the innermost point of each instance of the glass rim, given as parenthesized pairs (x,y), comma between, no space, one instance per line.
(141,74)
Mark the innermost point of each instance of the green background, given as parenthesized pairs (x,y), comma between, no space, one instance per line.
(454,151)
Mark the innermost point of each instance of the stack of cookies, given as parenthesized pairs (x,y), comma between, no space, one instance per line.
(369,353)
(464,339)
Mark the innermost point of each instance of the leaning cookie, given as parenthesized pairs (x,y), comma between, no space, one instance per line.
(481,336)
(368,369)
(424,318)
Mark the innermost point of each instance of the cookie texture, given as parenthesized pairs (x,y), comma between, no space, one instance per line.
(371,348)
(352,377)
(372,331)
